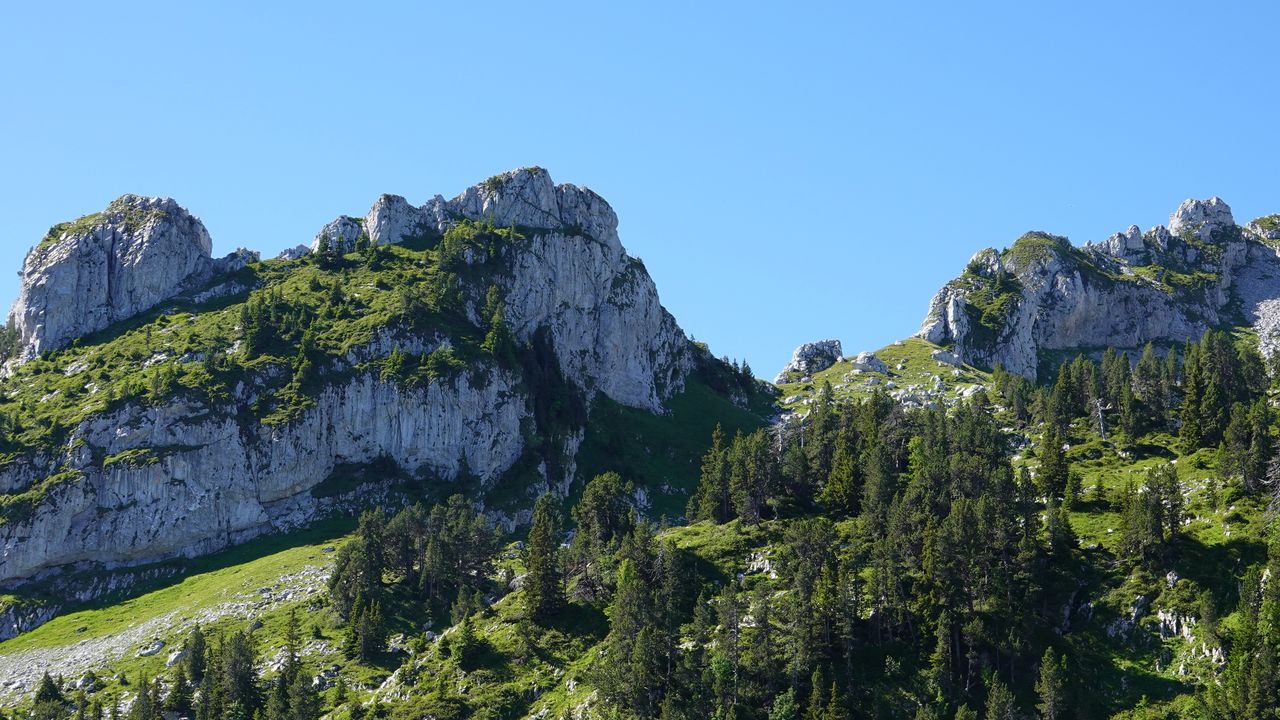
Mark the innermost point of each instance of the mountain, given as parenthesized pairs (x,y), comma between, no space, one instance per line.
(454,460)
(1044,297)
(161,403)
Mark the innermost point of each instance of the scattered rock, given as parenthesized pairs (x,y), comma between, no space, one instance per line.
(151,649)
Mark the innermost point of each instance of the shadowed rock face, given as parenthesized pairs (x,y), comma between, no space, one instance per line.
(213,479)
(104,268)
(1167,285)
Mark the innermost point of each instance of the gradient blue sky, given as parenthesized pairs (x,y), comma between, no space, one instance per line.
(787,172)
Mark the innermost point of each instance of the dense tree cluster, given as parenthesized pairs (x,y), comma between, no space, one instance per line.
(946,553)
(1246,689)
(441,558)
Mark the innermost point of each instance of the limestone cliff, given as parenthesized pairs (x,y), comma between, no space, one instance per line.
(1166,285)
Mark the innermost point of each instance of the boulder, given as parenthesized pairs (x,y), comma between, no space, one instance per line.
(945,356)
(152,648)
(868,362)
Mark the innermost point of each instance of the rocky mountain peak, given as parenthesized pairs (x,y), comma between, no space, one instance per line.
(572,276)
(1201,218)
(526,197)
(102,268)
(1166,285)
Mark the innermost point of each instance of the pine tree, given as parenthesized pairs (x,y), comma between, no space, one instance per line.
(1192,432)
(180,696)
(712,501)
(304,702)
(1052,476)
(498,340)
(1000,702)
(785,706)
(1051,687)
(544,584)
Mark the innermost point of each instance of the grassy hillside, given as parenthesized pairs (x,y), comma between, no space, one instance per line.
(912,371)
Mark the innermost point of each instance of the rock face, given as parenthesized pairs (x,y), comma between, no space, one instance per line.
(103,268)
(143,483)
(1166,285)
(810,358)
(213,485)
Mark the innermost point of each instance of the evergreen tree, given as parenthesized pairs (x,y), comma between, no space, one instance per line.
(181,694)
(712,501)
(785,706)
(1000,702)
(1052,476)
(603,517)
(544,584)
(1051,687)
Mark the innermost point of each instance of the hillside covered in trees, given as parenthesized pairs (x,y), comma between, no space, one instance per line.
(1094,547)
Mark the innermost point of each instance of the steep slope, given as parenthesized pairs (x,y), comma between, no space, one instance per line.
(1167,285)
(257,400)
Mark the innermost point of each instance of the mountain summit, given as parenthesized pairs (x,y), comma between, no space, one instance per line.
(1043,295)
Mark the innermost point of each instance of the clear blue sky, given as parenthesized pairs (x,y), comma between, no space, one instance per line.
(787,173)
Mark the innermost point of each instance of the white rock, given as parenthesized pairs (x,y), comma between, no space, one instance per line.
(810,358)
(947,357)
(341,233)
(868,362)
(295,252)
(151,649)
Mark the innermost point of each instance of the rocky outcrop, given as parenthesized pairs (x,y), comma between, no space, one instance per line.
(1166,285)
(341,234)
(1266,228)
(103,268)
(810,358)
